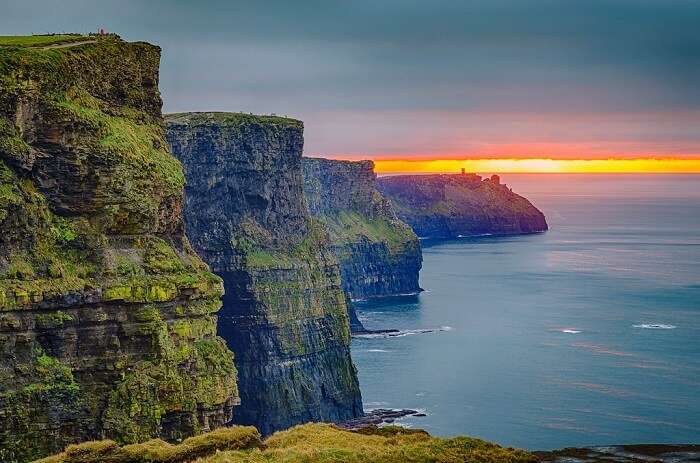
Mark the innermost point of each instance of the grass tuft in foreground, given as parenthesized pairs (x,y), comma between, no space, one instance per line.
(309,443)
(157,451)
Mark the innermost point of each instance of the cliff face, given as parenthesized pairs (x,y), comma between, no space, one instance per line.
(379,254)
(453,205)
(107,316)
(284,311)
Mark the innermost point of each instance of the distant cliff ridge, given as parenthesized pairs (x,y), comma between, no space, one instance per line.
(107,316)
(284,314)
(453,205)
(379,254)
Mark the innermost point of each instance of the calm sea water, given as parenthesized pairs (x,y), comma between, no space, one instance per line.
(587,334)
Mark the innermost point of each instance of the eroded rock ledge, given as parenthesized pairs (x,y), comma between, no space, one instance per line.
(455,205)
(284,314)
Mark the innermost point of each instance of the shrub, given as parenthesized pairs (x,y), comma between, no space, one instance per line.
(159,451)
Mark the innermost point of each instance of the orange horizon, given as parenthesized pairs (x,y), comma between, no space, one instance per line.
(540,165)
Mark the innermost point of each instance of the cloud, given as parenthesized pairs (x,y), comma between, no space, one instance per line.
(314,58)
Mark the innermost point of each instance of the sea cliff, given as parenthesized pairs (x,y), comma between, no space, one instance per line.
(107,316)
(379,254)
(454,205)
(284,314)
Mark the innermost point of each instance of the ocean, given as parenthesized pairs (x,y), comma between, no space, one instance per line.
(588,334)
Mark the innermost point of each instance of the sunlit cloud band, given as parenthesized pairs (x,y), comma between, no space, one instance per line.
(540,165)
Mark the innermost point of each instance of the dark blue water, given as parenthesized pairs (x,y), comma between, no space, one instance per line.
(587,334)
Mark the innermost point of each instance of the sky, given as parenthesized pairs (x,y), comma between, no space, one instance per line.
(397,80)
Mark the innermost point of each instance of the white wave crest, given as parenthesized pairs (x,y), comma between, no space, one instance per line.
(567,330)
(655,326)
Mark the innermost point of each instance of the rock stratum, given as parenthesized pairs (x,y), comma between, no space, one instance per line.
(379,254)
(455,205)
(107,316)
(284,314)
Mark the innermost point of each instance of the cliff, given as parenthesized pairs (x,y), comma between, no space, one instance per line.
(453,205)
(107,316)
(284,314)
(379,254)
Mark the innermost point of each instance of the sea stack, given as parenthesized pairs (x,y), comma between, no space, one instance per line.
(284,314)
(455,205)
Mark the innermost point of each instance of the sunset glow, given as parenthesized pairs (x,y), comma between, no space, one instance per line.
(539,165)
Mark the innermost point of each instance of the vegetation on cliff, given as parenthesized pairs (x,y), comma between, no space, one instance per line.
(310,443)
(379,254)
(107,316)
(40,40)
(284,311)
(229,119)
(66,118)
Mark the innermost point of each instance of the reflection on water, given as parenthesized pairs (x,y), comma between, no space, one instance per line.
(587,334)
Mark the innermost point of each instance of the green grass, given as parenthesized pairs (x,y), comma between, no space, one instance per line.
(132,142)
(39,40)
(230,119)
(310,443)
(158,451)
(348,226)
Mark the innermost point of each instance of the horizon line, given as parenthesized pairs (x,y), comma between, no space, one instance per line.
(540,165)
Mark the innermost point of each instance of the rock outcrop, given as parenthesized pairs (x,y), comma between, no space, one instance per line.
(379,254)
(454,205)
(284,314)
(107,316)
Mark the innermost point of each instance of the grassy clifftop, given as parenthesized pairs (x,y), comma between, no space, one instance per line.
(229,119)
(40,40)
(310,443)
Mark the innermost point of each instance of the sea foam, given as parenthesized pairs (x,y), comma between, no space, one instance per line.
(655,326)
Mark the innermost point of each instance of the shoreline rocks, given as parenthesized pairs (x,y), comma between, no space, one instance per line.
(638,453)
(378,417)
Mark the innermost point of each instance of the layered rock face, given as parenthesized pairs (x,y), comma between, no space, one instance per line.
(453,205)
(284,314)
(379,254)
(107,316)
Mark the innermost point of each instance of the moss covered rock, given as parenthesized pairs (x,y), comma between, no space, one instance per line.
(284,311)
(379,254)
(107,316)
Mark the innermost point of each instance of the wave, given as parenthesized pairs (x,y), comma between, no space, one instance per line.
(567,330)
(386,296)
(655,326)
(377,350)
(402,333)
